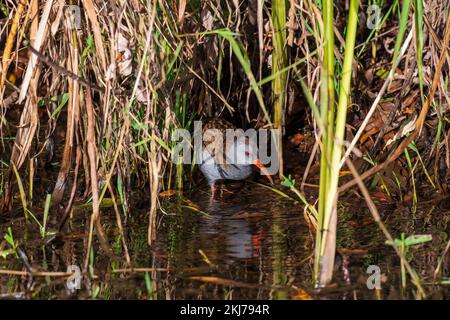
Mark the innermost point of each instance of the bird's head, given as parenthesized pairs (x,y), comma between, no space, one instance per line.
(244,151)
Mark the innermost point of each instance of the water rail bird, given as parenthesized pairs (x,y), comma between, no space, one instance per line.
(228,160)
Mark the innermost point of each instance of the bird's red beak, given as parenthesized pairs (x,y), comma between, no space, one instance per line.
(260,166)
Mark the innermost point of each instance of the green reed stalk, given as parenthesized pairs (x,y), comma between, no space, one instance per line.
(402,28)
(327,115)
(418,26)
(279,62)
(23,197)
(48,203)
(332,139)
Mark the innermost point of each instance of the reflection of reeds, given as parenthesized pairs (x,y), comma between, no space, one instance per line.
(279,253)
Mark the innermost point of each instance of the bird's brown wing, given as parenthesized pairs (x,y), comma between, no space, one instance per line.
(217,123)
(214,136)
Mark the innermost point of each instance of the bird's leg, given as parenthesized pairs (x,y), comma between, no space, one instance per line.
(213,191)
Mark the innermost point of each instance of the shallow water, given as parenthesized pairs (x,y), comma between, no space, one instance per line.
(249,243)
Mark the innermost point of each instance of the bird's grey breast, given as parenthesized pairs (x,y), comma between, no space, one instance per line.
(214,171)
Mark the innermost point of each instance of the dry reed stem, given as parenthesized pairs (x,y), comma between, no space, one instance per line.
(90,9)
(28,121)
(92,154)
(56,23)
(68,274)
(132,270)
(73,191)
(73,112)
(6,58)
(36,274)
(34,9)
(38,42)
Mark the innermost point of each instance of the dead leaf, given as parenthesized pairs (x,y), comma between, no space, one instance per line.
(408,128)
(124,57)
(297,138)
(225,282)
(181,10)
(301,294)
(111,72)
(343,173)
(141,93)
(380,196)
(168,193)
(207,19)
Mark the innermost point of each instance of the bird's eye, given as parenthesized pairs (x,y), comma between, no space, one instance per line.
(247,154)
